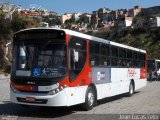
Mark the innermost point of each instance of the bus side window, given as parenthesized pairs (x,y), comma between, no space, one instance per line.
(122,57)
(105,55)
(94,53)
(158,65)
(141,60)
(114,58)
(129,58)
(135,62)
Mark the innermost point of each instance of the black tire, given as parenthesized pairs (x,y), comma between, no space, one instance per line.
(131,89)
(90,99)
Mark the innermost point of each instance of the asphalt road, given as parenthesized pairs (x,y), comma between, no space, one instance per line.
(143,105)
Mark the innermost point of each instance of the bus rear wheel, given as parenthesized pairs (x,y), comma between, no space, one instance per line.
(90,99)
(131,89)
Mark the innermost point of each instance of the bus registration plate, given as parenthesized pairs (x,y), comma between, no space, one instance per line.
(30,99)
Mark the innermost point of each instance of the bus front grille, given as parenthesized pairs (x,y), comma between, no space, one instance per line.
(37,101)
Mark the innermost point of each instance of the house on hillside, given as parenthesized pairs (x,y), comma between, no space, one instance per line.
(76,16)
(124,23)
(155,21)
(65,17)
(101,13)
(135,11)
(86,18)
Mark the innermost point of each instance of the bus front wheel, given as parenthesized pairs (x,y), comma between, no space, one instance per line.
(90,99)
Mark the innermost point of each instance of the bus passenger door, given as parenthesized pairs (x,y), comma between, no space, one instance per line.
(77,59)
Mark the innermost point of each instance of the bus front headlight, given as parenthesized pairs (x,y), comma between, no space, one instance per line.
(57,90)
(13,89)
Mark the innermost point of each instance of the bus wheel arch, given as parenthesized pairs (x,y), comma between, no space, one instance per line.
(90,98)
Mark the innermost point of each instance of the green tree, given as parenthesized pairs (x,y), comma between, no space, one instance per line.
(18,22)
(5,27)
(69,21)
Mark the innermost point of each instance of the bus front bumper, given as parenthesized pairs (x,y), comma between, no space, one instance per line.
(67,97)
(39,99)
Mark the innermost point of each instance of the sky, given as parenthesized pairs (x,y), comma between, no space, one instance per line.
(62,6)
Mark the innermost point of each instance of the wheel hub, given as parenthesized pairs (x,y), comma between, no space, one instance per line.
(90,98)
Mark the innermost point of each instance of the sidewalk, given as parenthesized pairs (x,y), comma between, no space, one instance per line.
(3,76)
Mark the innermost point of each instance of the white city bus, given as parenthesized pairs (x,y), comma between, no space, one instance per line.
(153,69)
(59,67)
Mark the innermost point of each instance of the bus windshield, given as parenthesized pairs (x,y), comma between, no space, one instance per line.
(45,60)
(151,65)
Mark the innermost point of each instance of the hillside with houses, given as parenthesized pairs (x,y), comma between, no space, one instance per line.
(137,27)
(98,20)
